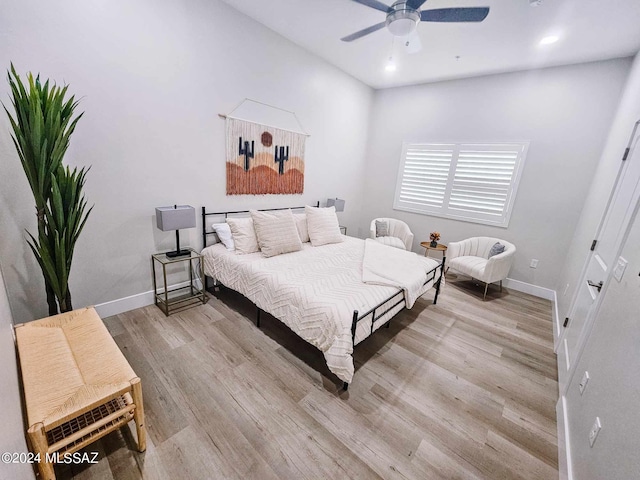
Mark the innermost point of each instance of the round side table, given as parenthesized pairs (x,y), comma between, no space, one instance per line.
(439,248)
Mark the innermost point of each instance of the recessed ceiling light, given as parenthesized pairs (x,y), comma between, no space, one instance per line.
(390,66)
(549,40)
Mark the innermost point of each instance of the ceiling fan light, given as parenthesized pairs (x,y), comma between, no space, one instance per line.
(402,27)
(402,22)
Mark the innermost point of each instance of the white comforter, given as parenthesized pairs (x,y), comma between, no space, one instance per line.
(313,291)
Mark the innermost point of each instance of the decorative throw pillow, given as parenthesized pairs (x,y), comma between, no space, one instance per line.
(382,228)
(301,225)
(224,234)
(244,235)
(496,249)
(276,232)
(323,226)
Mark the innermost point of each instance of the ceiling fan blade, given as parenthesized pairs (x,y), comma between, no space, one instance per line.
(374,4)
(412,43)
(415,4)
(475,14)
(362,33)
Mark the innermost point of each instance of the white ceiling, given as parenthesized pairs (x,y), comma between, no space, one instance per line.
(506,41)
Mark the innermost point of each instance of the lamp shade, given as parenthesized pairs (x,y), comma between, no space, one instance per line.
(336,202)
(176,217)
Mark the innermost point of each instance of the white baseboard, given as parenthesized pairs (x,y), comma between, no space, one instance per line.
(564,445)
(139,300)
(121,305)
(556,323)
(531,289)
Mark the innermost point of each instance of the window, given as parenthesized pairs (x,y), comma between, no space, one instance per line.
(469,182)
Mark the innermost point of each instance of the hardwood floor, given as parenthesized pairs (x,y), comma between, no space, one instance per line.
(464,389)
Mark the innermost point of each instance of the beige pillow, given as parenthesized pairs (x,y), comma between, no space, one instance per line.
(244,235)
(323,225)
(276,232)
(301,225)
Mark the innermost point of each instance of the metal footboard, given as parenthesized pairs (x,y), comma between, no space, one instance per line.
(380,310)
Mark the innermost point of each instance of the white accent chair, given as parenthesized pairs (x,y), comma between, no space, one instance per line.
(400,235)
(471,257)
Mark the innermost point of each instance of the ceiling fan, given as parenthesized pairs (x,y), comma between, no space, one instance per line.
(404,15)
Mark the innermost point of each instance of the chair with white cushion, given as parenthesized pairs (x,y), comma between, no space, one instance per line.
(474,257)
(392,232)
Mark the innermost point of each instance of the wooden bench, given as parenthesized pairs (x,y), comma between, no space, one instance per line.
(77,385)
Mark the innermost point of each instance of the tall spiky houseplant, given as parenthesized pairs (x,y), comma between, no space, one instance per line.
(43,123)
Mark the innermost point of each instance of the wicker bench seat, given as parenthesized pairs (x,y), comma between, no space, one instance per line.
(77,384)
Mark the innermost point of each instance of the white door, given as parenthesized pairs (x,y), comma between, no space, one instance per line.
(600,264)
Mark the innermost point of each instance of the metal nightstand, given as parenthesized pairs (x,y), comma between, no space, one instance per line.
(180,297)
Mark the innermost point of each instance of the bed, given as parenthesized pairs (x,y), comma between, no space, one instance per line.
(318,292)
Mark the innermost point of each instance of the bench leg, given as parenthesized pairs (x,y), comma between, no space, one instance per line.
(38,440)
(138,414)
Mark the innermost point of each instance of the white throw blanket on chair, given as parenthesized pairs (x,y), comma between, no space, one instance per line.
(384,265)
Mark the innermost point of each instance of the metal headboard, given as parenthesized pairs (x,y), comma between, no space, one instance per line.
(205,214)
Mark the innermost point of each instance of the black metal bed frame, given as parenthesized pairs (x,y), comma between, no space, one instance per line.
(356,318)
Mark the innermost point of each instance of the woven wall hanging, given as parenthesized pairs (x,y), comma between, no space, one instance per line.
(262,159)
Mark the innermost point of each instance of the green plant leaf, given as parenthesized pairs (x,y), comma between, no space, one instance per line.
(42,123)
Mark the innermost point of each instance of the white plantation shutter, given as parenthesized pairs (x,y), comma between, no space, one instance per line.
(425,175)
(471,182)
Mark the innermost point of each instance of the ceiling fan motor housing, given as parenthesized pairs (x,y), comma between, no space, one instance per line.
(402,19)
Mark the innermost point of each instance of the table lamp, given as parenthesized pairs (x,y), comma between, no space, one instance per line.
(336,202)
(175,218)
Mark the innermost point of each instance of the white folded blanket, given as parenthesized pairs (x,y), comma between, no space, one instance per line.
(384,265)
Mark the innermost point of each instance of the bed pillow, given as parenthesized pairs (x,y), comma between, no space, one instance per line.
(301,226)
(244,235)
(223,231)
(276,232)
(382,228)
(323,226)
(496,249)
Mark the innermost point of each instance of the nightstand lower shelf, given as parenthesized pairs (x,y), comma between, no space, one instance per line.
(188,297)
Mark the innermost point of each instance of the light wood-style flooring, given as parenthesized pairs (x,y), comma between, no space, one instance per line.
(464,389)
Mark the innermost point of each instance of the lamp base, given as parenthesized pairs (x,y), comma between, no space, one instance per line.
(178,253)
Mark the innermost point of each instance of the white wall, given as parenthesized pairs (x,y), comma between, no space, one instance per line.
(595,202)
(12,433)
(565,112)
(153,75)
(610,357)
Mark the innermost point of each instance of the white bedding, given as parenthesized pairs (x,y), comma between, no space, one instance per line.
(384,265)
(313,291)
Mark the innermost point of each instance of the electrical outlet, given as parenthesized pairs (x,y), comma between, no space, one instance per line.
(534,263)
(583,383)
(595,429)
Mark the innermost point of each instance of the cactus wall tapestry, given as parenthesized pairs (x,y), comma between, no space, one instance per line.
(262,159)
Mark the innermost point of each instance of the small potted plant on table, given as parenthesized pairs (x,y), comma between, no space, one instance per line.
(435,236)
